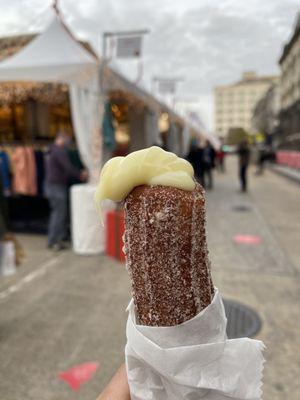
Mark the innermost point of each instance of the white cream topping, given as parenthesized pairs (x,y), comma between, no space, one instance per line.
(151,166)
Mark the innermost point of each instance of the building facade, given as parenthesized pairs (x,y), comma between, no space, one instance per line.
(265,117)
(234,104)
(290,91)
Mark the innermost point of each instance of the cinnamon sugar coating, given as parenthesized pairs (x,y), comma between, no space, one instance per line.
(166,254)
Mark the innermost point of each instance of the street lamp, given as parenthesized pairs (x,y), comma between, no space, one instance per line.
(129,46)
(166,86)
(122,34)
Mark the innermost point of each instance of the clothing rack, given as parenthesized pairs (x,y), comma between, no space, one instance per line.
(35,144)
(28,209)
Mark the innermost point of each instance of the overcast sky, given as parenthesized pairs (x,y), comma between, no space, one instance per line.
(207,42)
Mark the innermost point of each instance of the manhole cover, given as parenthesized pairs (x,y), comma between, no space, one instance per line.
(241,208)
(242,321)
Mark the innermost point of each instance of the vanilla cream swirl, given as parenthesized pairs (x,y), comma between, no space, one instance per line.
(151,166)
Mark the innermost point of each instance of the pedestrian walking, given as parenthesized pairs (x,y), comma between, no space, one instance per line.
(244,158)
(209,156)
(195,157)
(220,155)
(59,171)
(265,154)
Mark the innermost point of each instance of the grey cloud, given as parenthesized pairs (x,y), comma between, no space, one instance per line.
(209,42)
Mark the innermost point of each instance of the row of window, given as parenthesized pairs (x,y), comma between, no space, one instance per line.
(231,118)
(234,113)
(233,122)
(221,112)
(236,109)
(235,116)
(229,96)
(235,106)
(225,129)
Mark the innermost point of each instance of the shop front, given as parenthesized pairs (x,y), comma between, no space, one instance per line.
(134,119)
(31,114)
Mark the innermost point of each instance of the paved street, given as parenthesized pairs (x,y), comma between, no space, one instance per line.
(63,310)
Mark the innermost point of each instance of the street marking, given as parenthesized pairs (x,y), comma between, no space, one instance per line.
(30,277)
(79,374)
(247,239)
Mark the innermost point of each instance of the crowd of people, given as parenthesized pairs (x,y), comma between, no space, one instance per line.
(205,159)
(60,171)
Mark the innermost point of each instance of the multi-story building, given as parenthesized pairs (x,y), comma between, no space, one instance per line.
(234,104)
(290,90)
(265,118)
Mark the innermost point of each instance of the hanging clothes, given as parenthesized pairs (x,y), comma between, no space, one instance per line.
(108,128)
(5,171)
(3,211)
(25,181)
(10,152)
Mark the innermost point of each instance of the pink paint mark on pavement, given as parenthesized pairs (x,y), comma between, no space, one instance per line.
(79,374)
(247,239)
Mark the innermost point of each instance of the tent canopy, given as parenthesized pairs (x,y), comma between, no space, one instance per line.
(56,56)
(53,56)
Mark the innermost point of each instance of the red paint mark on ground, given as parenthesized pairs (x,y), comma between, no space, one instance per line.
(247,239)
(79,374)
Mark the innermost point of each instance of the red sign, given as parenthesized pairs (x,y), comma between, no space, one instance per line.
(79,374)
(289,158)
(115,228)
(247,239)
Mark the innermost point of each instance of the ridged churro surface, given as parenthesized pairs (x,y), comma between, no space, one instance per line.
(166,254)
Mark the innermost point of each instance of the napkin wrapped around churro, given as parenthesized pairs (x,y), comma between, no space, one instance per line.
(193,360)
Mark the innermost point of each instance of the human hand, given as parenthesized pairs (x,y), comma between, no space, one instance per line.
(118,388)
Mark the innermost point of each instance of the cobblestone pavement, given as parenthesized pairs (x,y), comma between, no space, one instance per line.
(62,310)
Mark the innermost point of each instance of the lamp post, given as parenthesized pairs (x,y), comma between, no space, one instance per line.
(120,35)
(132,48)
(167,86)
(55,6)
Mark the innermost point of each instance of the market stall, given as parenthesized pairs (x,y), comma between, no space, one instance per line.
(55,56)
(139,119)
(123,114)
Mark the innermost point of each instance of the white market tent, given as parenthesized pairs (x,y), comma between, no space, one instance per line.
(55,56)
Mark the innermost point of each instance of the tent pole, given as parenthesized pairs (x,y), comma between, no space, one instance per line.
(96,136)
(55,8)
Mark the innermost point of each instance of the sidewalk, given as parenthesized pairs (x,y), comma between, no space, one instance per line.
(290,173)
(64,310)
(266,276)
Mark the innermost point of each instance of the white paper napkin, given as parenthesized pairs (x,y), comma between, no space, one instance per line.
(191,361)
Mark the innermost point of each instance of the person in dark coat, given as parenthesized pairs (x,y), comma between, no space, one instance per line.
(59,172)
(244,158)
(195,157)
(209,155)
